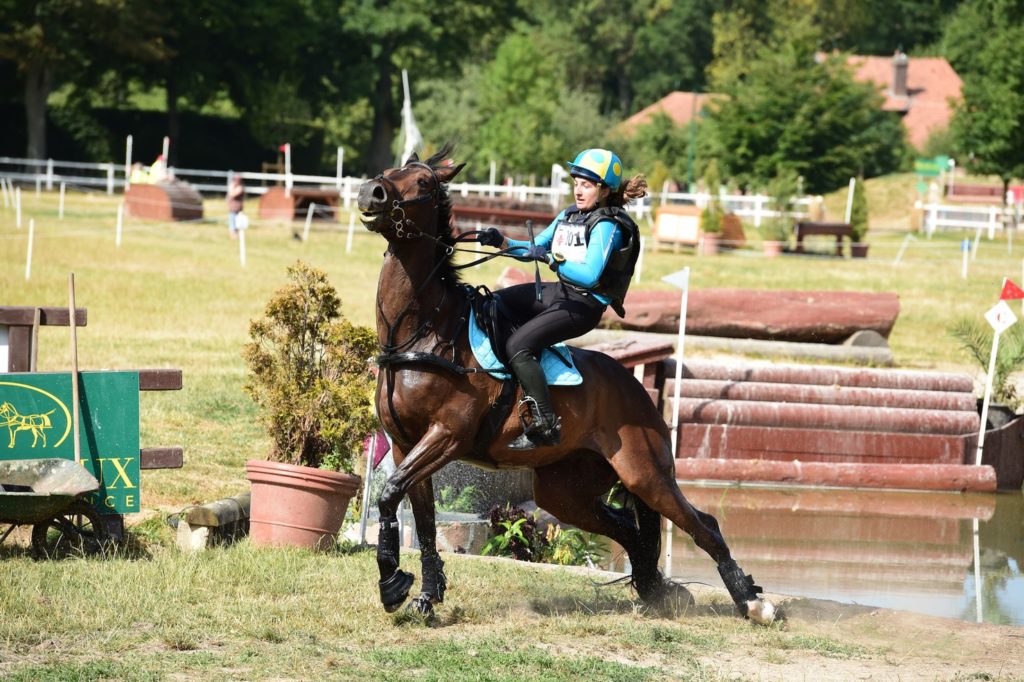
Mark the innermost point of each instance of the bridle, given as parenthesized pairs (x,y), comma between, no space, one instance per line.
(396,213)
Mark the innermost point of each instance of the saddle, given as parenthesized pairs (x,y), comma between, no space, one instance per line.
(490,326)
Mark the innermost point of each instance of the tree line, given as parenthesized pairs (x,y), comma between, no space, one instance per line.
(525,83)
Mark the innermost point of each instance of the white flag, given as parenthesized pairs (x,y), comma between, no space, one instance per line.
(412,141)
(1000,317)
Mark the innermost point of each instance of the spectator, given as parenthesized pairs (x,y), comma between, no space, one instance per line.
(235,198)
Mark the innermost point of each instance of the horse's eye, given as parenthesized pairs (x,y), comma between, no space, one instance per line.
(421,183)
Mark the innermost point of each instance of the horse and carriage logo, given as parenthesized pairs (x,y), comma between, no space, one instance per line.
(25,415)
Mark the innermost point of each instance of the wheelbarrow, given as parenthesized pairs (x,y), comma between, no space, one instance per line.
(48,495)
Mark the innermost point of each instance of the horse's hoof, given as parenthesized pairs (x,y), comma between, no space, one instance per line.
(423,607)
(395,589)
(761,611)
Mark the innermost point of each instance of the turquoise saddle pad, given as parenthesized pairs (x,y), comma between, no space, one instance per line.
(555,369)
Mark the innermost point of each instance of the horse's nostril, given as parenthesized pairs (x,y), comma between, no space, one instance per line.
(379,194)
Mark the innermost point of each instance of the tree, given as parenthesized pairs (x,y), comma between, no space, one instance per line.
(988,125)
(52,40)
(793,112)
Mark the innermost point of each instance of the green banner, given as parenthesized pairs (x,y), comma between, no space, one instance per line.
(36,422)
(927,167)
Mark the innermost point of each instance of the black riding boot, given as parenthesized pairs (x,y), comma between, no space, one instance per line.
(543,427)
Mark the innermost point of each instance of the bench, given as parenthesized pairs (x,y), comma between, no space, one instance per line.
(838,230)
(276,204)
(976,194)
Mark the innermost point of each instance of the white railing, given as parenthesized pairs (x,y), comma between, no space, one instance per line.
(744,205)
(952,216)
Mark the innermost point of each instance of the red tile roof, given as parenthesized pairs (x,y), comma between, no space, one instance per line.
(678,105)
(931,83)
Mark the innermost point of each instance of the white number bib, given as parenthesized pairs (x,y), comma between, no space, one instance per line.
(570,241)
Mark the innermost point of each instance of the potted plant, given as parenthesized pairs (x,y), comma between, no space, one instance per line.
(711,216)
(775,231)
(858,221)
(308,372)
(975,339)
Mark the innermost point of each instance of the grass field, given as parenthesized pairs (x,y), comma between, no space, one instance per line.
(174,295)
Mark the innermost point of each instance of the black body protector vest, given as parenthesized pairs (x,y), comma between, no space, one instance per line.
(618,272)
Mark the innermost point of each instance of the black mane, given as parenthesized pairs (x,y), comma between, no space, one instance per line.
(446,239)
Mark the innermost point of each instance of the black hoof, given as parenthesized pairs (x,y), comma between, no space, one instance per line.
(422,606)
(740,585)
(395,589)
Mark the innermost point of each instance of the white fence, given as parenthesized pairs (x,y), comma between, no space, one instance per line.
(952,216)
(46,174)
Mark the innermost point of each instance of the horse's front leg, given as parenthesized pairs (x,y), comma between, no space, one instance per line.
(432,452)
(433,579)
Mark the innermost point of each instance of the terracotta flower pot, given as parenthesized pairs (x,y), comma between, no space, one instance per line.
(859,250)
(297,506)
(771,248)
(709,244)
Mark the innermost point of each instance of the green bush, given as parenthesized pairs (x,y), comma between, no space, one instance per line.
(975,339)
(711,216)
(859,212)
(309,372)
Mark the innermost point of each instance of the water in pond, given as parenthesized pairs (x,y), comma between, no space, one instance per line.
(900,550)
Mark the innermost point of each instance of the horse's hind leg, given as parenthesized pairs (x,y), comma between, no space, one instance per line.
(649,477)
(434,582)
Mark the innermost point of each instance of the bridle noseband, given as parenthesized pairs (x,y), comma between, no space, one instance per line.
(396,213)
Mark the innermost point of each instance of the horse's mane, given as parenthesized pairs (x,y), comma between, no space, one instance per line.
(447,270)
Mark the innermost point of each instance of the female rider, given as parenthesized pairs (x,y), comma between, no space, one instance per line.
(592,246)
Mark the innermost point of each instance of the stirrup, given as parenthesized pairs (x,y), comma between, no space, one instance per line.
(539,431)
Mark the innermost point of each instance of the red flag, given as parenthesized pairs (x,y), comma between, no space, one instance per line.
(1010,291)
(282,147)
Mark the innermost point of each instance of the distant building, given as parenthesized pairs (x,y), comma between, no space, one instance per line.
(679,106)
(919,88)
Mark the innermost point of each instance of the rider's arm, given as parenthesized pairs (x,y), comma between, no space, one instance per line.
(542,239)
(603,239)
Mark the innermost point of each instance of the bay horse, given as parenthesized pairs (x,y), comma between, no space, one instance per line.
(436,403)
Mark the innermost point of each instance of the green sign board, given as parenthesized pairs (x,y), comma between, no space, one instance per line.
(933,167)
(36,422)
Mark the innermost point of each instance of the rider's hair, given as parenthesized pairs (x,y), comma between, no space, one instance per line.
(630,190)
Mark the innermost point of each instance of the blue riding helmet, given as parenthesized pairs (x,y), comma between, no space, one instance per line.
(599,165)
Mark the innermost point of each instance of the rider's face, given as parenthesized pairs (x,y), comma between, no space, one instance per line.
(588,193)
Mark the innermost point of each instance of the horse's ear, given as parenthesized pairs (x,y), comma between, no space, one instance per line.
(414,157)
(446,173)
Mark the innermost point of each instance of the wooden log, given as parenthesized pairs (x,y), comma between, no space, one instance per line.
(964,478)
(219,513)
(710,441)
(159,379)
(164,201)
(805,316)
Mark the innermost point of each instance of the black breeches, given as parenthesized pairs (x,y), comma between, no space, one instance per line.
(562,313)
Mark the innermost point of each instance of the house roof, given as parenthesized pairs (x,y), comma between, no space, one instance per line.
(678,105)
(931,84)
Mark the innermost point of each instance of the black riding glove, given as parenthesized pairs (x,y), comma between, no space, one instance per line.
(537,253)
(490,237)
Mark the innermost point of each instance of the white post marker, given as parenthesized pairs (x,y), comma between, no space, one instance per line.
(977,574)
(49,175)
(39,184)
(60,210)
(3,190)
(903,247)
(341,164)
(965,247)
(849,200)
(120,221)
(28,256)
(351,230)
(974,248)
(287,169)
(309,219)
(110,179)
(681,280)
(241,247)
(17,206)
(128,163)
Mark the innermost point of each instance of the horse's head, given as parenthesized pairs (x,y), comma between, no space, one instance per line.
(403,203)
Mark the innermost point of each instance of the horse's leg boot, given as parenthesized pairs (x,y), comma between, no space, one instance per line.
(740,585)
(395,588)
